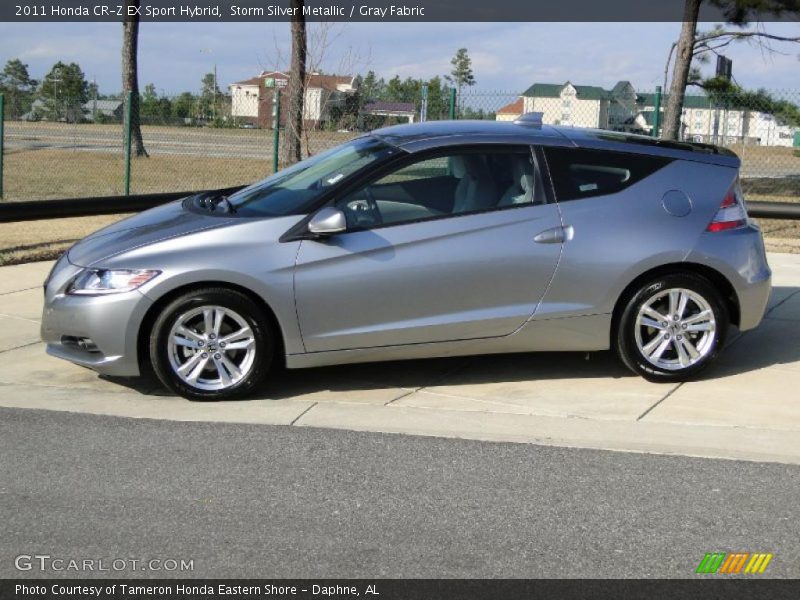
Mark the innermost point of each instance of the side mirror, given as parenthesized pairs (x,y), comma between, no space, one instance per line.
(327,221)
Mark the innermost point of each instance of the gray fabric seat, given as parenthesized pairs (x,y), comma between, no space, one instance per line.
(476,189)
(521,189)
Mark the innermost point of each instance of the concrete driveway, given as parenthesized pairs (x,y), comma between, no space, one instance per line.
(747,407)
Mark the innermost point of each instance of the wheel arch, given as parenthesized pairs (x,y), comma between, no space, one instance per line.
(717,279)
(146,326)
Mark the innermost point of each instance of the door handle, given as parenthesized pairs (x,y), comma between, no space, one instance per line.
(555,235)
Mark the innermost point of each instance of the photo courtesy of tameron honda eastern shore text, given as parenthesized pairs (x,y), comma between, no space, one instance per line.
(426,240)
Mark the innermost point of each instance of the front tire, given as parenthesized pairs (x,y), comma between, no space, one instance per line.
(211,344)
(672,328)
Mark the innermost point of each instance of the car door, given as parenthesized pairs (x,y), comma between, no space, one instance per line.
(442,247)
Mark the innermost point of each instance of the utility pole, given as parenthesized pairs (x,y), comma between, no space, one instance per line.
(423,109)
(214,91)
(724,71)
(56,81)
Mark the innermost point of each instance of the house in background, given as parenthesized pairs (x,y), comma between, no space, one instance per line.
(697,118)
(622,109)
(251,100)
(398,110)
(769,132)
(568,104)
(106,110)
(703,121)
(577,105)
(38,108)
(49,110)
(511,112)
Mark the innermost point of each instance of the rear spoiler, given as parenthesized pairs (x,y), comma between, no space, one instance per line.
(628,142)
(675,145)
(698,147)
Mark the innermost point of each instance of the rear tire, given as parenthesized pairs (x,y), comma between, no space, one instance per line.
(672,328)
(212,344)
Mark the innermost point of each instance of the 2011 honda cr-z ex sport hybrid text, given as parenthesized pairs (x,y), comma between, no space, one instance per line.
(435,239)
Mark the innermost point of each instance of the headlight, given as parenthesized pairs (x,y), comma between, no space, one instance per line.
(92,282)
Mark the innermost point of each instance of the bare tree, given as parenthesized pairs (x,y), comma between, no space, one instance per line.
(321,38)
(690,45)
(680,75)
(297,85)
(130,75)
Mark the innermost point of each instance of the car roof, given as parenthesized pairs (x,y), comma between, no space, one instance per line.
(404,135)
(432,134)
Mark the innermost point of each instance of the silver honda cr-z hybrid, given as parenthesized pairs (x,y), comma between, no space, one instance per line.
(435,239)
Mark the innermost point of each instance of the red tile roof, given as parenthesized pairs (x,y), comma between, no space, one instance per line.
(515,108)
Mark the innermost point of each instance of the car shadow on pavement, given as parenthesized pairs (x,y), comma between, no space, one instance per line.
(341,380)
(774,342)
(413,375)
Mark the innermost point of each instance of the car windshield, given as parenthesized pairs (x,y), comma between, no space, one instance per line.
(294,190)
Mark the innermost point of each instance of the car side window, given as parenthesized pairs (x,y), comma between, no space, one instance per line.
(581,173)
(456,183)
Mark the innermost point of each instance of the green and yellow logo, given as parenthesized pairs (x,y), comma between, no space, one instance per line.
(734,562)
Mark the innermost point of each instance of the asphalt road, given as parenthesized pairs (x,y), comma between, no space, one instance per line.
(249,500)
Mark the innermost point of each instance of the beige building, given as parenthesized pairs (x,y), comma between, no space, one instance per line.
(251,100)
(622,109)
(568,104)
(702,121)
(577,105)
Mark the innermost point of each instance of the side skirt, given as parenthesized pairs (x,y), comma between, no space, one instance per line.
(573,334)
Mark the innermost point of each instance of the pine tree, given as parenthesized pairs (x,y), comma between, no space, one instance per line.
(461,75)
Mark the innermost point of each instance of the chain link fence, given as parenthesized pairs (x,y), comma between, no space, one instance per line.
(763,128)
(68,149)
(64,148)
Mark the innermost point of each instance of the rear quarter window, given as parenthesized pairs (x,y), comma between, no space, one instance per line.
(579,173)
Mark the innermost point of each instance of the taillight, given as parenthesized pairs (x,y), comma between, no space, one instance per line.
(731,213)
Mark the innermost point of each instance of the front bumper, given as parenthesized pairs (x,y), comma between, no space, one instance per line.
(111,322)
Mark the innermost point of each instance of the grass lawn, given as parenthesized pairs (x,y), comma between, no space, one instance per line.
(43,174)
(761,154)
(59,160)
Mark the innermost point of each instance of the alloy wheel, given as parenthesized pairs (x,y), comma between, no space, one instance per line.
(675,329)
(211,348)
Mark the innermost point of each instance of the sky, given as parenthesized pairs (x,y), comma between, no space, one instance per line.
(506,57)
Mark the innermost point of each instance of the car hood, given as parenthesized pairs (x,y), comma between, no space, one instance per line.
(162,223)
